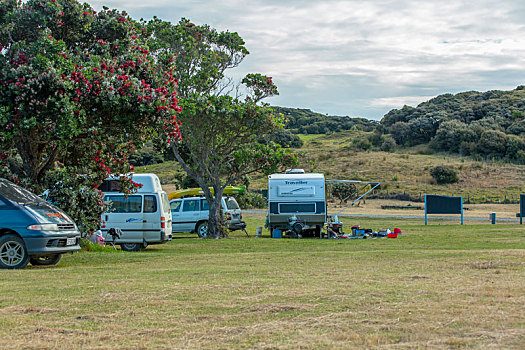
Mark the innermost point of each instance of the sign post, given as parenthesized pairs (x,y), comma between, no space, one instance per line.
(443,205)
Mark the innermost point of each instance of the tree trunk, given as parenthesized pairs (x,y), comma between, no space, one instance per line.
(216,227)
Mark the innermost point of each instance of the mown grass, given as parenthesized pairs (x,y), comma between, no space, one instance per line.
(439,286)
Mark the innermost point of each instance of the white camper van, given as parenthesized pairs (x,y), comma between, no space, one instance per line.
(143,217)
(296,202)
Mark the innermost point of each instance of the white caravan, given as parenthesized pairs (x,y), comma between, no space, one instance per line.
(143,217)
(296,202)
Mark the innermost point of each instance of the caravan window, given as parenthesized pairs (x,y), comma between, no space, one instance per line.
(297,208)
(150,204)
(123,204)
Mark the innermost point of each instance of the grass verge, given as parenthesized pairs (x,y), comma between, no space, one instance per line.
(439,286)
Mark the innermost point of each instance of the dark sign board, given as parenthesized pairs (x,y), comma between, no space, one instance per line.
(522,204)
(443,204)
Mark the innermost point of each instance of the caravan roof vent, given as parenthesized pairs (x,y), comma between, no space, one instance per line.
(294,171)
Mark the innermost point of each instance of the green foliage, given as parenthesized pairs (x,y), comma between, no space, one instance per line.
(89,246)
(147,155)
(361,143)
(389,144)
(469,123)
(451,134)
(251,200)
(77,195)
(444,174)
(344,191)
(75,87)
(260,85)
(223,138)
(304,121)
(284,138)
(492,143)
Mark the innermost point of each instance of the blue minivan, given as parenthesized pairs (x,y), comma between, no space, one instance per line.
(32,230)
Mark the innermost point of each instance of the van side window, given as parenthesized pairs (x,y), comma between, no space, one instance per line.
(121,204)
(3,205)
(205,205)
(150,204)
(175,206)
(191,205)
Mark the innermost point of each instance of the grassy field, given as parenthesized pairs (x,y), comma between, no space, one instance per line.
(438,286)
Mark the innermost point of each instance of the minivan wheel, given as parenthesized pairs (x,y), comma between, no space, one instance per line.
(131,247)
(202,229)
(13,253)
(45,260)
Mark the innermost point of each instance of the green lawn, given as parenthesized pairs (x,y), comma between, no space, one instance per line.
(439,286)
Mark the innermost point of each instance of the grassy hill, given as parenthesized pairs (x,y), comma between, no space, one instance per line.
(404,171)
(409,170)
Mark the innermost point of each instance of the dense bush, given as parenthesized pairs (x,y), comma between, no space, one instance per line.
(304,121)
(284,138)
(251,200)
(147,155)
(444,174)
(450,135)
(344,191)
(361,143)
(389,144)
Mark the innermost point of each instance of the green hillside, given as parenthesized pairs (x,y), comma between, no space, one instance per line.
(484,125)
(479,135)
(304,121)
(405,171)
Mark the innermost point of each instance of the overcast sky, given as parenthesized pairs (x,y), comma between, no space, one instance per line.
(363,58)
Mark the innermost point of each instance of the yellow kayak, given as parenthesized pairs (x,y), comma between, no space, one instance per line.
(200,192)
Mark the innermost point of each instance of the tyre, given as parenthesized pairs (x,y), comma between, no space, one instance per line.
(45,260)
(131,247)
(202,229)
(13,252)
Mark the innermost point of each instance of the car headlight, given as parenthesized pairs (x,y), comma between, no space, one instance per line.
(43,227)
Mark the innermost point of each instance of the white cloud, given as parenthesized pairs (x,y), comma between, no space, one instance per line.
(359,57)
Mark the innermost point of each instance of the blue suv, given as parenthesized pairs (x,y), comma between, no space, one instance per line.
(32,230)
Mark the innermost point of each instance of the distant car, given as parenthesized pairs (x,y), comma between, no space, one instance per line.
(32,230)
(191,215)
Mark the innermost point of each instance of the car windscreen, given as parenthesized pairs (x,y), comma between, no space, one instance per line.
(45,211)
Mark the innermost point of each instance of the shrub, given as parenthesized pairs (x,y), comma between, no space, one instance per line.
(444,174)
(361,144)
(388,144)
(251,200)
(344,191)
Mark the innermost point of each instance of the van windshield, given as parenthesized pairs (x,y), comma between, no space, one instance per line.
(18,194)
(44,211)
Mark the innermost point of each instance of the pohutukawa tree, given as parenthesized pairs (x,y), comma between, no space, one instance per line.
(77,89)
(220,132)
